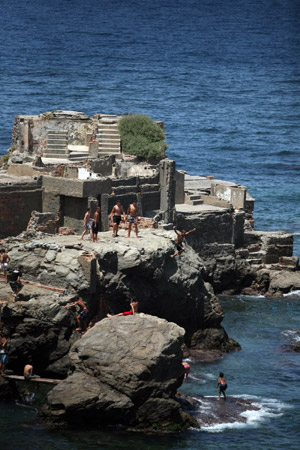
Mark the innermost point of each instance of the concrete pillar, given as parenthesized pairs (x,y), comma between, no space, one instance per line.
(104,213)
(167,189)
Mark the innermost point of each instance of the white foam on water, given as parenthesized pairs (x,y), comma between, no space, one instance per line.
(268,409)
(292,294)
(294,334)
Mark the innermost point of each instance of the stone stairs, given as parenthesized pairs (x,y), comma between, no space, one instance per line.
(108,135)
(193,199)
(57,145)
(78,153)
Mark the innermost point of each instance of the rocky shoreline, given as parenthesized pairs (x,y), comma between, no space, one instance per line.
(123,370)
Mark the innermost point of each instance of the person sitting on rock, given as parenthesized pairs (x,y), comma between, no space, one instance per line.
(28,373)
(222,385)
(4,263)
(81,318)
(15,282)
(179,240)
(133,311)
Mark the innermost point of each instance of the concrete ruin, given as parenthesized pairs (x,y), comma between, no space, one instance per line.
(63,162)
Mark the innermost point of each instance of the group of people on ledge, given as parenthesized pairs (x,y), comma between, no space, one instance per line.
(91,224)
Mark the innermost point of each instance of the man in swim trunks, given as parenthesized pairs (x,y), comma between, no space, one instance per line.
(3,355)
(81,318)
(87,223)
(133,216)
(179,240)
(28,373)
(133,311)
(116,216)
(95,226)
(221,385)
(15,282)
(4,263)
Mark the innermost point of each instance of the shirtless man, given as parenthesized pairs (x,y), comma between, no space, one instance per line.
(95,226)
(4,263)
(133,213)
(180,236)
(133,311)
(221,385)
(83,313)
(116,216)
(87,223)
(28,373)
(3,355)
(15,282)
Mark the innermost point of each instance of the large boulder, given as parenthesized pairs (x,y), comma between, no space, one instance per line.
(283,282)
(126,370)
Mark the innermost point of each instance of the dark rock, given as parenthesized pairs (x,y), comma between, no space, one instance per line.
(212,339)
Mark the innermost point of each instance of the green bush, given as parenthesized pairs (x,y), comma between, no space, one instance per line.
(141,137)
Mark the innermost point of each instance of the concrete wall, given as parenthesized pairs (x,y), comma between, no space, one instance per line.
(103,165)
(236,195)
(16,204)
(30,132)
(211,227)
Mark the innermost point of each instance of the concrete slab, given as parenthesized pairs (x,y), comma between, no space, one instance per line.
(195,182)
(55,161)
(197,209)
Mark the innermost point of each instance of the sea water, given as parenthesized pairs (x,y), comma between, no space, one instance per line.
(262,372)
(224,76)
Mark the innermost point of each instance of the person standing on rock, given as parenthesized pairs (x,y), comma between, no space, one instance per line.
(116,216)
(132,217)
(222,385)
(95,226)
(133,311)
(4,263)
(179,240)
(15,282)
(3,355)
(87,223)
(81,318)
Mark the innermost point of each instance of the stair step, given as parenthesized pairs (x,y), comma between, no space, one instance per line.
(197,202)
(59,151)
(55,156)
(195,197)
(109,145)
(253,261)
(256,255)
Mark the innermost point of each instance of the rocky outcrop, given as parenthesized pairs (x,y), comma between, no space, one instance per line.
(126,370)
(40,330)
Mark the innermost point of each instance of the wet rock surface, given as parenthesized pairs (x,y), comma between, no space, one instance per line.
(209,411)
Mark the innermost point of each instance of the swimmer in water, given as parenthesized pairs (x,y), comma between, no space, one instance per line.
(222,385)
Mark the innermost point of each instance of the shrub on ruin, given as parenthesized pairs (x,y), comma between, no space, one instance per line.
(142,137)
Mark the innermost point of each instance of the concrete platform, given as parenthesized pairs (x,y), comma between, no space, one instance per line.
(197,209)
(36,380)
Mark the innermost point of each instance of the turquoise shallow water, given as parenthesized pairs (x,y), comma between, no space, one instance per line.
(261,372)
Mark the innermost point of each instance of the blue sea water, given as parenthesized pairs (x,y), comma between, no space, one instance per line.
(223,75)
